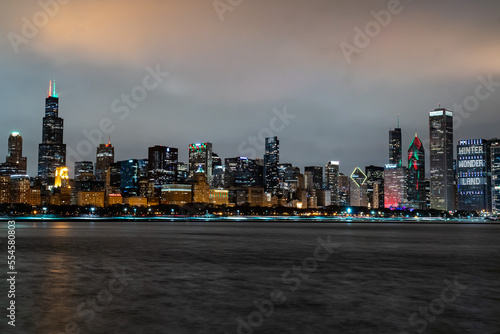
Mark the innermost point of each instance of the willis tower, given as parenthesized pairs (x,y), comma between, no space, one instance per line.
(52,151)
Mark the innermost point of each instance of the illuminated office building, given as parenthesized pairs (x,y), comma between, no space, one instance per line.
(242,172)
(375,186)
(218,170)
(15,163)
(344,188)
(271,164)
(52,151)
(473,171)
(316,174)
(416,174)
(200,156)
(83,167)
(4,189)
(495,174)
(105,156)
(162,165)
(358,188)
(332,169)
(395,146)
(441,160)
(182,172)
(126,175)
(395,186)
(61,179)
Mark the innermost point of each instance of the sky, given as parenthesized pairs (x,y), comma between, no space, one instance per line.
(227,68)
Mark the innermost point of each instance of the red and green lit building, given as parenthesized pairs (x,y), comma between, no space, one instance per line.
(416,174)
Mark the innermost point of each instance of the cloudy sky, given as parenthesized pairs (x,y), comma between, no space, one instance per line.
(230,67)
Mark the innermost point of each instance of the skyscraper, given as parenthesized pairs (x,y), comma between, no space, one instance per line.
(105,156)
(52,151)
(200,156)
(162,165)
(218,170)
(358,188)
(242,172)
(317,176)
(15,163)
(395,186)
(416,174)
(474,180)
(271,163)
(495,174)
(395,146)
(332,169)
(441,164)
(375,186)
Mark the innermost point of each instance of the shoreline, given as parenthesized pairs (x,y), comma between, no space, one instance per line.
(261,219)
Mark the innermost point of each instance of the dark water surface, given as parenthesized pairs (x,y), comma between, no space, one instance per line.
(204,277)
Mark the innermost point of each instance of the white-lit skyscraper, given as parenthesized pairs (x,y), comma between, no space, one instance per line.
(441,160)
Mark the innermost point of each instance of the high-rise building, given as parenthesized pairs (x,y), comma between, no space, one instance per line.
(375,186)
(441,160)
(288,176)
(358,188)
(20,189)
(317,176)
(271,163)
(395,146)
(395,186)
(332,169)
(83,167)
(52,150)
(344,189)
(495,174)
(416,174)
(474,178)
(200,156)
(105,156)
(242,172)
(218,170)
(131,171)
(15,162)
(162,165)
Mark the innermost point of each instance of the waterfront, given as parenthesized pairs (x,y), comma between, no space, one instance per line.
(200,277)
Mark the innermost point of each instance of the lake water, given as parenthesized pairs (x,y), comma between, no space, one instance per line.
(254,277)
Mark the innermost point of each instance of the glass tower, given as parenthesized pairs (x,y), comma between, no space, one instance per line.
(52,151)
(473,170)
(271,163)
(416,174)
(441,165)
(395,147)
(105,156)
(332,169)
(162,166)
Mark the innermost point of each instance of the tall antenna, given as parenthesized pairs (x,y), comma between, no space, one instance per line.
(398,121)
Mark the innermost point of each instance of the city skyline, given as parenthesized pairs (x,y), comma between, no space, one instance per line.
(103,146)
(224,97)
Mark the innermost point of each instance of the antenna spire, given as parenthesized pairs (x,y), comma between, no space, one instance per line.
(398,121)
